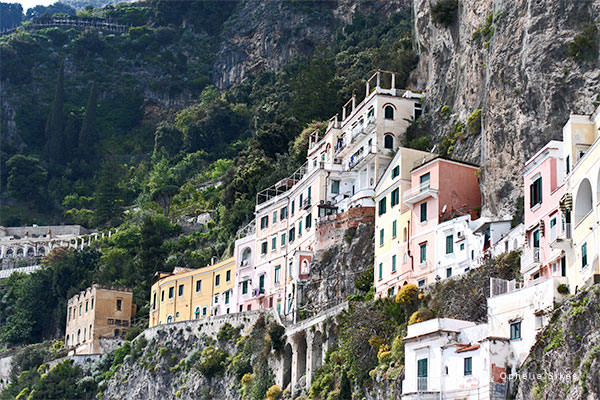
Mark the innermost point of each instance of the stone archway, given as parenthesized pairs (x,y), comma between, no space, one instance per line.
(317,352)
(301,357)
(287,365)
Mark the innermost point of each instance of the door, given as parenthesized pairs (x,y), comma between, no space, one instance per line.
(422,375)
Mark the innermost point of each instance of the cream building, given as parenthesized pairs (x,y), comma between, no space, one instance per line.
(187,294)
(99,312)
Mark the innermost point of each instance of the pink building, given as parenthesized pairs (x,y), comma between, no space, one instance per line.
(441,189)
(543,189)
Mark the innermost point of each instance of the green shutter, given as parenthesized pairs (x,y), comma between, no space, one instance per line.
(422,368)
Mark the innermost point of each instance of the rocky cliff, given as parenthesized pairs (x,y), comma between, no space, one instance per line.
(565,361)
(509,59)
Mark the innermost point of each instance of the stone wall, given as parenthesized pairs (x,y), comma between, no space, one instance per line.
(333,229)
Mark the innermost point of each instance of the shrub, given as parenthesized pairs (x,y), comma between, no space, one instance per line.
(213,361)
(563,289)
(584,46)
(415,318)
(407,294)
(274,392)
(474,122)
(228,332)
(276,333)
(444,12)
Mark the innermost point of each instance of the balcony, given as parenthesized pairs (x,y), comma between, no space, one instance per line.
(563,240)
(530,259)
(306,204)
(412,196)
(422,384)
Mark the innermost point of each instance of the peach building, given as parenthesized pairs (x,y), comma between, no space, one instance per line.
(98,312)
(187,294)
(441,189)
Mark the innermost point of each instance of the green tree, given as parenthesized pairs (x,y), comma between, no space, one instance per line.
(108,198)
(88,136)
(345,387)
(55,124)
(26,179)
(162,185)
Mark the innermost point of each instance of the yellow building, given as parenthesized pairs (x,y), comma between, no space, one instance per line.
(580,205)
(97,312)
(392,221)
(187,294)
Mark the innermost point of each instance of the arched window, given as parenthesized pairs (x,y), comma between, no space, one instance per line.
(19,252)
(169,319)
(84,335)
(197,313)
(78,336)
(388,141)
(389,112)
(305,267)
(9,253)
(246,256)
(30,252)
(583,202)
(41,251)
(117,333)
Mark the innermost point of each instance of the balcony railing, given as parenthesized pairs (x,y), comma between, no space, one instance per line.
(422,384)
(530,258)
(306,204)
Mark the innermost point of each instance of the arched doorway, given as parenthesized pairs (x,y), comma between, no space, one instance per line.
(287,365)
(301,357)
(583,201)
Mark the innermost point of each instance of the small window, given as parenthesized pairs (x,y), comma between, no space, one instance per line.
(293,206)
(468,366)
(395,197)
(389,112)
(424,212)
(198,286)
(111,321)
(394,263)
(228,276)
(171,291)
(382,207)
(180,291)
(421,283)
(292,235)
(263,248)
(395,171)
(535,192)
(261,284)
(380,270)
(388,141)
(86,306)
(283,213)
(218,280)
(273,243)
(264,222)
(119,304)
(308,221)
(584,261)
(335,187)
(448,272)
(274,217)
(300,228)
(204,311)
(449,244)
(80,310)
(515,330)
(197,313)
(394,229)
(162,295)
(283,235)
(423,253)
(381,237)
(227,297)
(424,181)
(92,304)
(278,274)
(462,246)
(405,258)
(245,287)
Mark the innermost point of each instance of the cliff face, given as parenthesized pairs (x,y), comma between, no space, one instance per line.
(266,35)
(517,72)
(565,361)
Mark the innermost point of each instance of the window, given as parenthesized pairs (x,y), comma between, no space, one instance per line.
(278,274)
(69,313)
(389,112)
(421,283)
(300,228)
(171,292)
(197,313)
(462,246)
(218,280)
(308,221)
(227,297)
(584,262)
(263,248)
(80,310)
(515,330)
(424,212)
(198,286)
(405,258)
(180,291)
(424,181)
(394,263)
(274,217)
(274,243)
(536,238)
(283,235)
(388,141)
(382,206)
(380,270)
(261,284)
(371,112)
(283,213)
(264,222)
(422,374)
(394,230)
(293,206)
(228,276)
(395,197)
(468,363)
(535,192)
(92,304)
(553,229)
(86,306)
(418,110)
(335,187)
(449,244)
(300,201)
(162,295)
(292,235)
(568,165)
(204,311)
(423,253)
(448,272)
(111,321)
(245,287)
(395,171)
(381,237)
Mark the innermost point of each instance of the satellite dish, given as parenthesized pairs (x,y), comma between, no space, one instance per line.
(444,208)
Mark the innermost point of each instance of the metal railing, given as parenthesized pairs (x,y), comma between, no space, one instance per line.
(282,186)
(422,384)
(416,190)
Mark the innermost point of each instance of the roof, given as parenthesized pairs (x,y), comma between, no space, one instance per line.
(466,163)
(465,347)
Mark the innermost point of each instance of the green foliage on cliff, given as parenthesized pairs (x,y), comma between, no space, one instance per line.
(444,12)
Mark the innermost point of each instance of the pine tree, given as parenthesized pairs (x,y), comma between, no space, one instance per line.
(108,198)
(88,136)
(55,124)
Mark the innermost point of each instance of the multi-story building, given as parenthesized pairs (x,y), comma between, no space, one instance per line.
(99,312)
(392,221)
(343,166)
(187,294)
(543,176)
(581,202)
(441,190)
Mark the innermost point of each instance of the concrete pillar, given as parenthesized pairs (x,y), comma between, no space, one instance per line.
(353,101)
(299,350)
(378,79)
(393,81)
(368,88)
